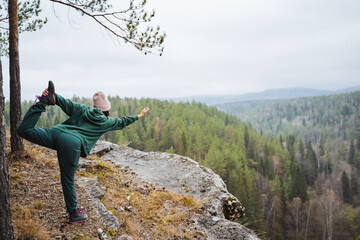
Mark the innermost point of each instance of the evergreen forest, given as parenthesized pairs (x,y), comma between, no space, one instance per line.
(295,165)
(316,119)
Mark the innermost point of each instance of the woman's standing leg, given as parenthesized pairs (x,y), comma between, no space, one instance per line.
(68,149)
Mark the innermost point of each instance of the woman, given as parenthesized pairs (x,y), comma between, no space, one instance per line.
(73,138)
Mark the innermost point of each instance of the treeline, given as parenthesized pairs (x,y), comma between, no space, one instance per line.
(281,181)
(315,119)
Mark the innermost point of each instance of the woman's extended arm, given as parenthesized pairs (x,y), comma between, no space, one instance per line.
(120,123)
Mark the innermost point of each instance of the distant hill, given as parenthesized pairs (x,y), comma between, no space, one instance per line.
(272,94)
(317,118)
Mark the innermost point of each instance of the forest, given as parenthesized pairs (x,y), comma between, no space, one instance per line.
(317,119)
(300,181)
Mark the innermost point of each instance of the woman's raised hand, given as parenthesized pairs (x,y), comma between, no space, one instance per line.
(143,112)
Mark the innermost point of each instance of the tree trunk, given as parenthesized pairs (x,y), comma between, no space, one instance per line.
(15,91)
(269,213)
(308,219)
(6,228)
(297,217)
(330,227)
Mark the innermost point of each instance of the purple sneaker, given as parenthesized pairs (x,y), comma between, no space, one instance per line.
(77,216)
(48,99)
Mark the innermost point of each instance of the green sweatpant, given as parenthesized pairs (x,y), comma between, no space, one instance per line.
(68,149)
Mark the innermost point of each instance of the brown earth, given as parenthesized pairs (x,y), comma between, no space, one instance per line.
(143,211)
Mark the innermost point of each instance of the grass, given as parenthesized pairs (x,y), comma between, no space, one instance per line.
(28,155)
(93,157)
(124,144)
(247,222)
(162,213)
(16,176)
(50,164)
(29,228)
(38,205)
(143,211)
(27,225)
(163,209)
(79,237)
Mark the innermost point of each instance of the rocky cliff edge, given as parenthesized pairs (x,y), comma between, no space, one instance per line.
(183,175)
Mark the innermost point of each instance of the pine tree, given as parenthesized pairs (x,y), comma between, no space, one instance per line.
(233,182)
(251,153)
(354,188)
(276,188)
(351,153)
(302,186)
(346,188)
(311,156)
(298,188)
(290,147)
(265,167)
(246,137)
(301,150)
(6,228)
(357,159)
(250,198)
(281,141)
(214,159)
(183,149)
(321,146)
(288,186)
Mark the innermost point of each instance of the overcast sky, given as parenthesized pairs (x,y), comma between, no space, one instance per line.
(212,48)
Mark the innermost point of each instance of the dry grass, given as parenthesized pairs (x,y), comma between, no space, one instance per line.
(27,226)
(246,222)
(38,208)
(143,211)
(93,157)
(30,229)
(28,155)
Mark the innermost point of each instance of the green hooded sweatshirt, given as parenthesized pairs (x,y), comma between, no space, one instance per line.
(88,123)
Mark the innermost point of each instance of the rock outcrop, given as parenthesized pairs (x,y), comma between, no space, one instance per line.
(95,192)
(184,176)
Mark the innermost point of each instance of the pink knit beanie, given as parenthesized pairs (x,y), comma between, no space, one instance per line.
(100,101)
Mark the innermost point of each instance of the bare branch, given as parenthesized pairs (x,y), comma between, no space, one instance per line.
(93,17)
(111,22)
(122,24)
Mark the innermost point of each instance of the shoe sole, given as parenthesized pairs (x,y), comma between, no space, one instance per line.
(79,221)
(51,89)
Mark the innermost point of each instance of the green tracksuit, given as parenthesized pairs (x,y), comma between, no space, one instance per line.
(71,139)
